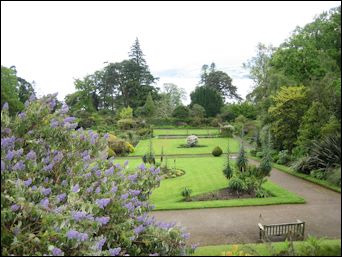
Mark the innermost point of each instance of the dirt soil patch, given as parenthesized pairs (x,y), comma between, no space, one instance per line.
(222,194)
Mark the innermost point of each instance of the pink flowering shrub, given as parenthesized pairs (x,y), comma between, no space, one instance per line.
(58,197)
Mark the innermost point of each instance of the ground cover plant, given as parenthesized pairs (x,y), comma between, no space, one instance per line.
(58,197)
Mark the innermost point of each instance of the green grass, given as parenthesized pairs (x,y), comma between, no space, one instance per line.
(204,175)
(265,250)
(209,131)
(170,146)
(290,171)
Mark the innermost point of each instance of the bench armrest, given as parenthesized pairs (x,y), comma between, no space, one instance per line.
(261,226)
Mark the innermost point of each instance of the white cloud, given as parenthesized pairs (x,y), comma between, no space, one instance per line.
(54,42)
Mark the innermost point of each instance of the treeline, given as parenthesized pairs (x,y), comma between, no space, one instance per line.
(297,93)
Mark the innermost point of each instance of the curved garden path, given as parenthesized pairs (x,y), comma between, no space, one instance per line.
(321,212)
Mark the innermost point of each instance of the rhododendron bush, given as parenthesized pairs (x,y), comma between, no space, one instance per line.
(58,197)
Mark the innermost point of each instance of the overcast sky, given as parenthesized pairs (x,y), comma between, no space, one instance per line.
(52,43)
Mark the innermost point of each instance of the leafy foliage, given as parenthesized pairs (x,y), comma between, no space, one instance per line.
(186,193)
(219,81)
(59,196)
(242,161)
(209,98)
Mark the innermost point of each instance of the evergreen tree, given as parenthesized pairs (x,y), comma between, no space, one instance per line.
(228,171)
(241,160)
(149,106)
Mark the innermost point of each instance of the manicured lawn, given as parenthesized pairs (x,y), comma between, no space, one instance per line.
(170,146)
(209,131)
(331,248)
(290,171)
(204,175)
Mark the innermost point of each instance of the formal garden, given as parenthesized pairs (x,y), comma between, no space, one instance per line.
(84,176)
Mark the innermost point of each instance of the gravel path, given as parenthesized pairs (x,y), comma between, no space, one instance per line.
(321,212)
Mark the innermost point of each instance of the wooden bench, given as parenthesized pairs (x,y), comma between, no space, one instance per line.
(294,230)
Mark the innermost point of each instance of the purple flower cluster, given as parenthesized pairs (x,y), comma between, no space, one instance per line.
(54,123)
(133,177)
(100,244)
(57,252)
(102,203)
(7,142)
(102,220)
(31,155)
(139,229)
(58,157)
(48,167)
(61,197)
(45,191)
(115,251)
(80,215)
(19,166)
(133,192)
(5,106)
(110,171)
(76,188)
(93,137)
(22,115)
(73,234)
(64,109)
(15,207)
(28,182)
(69,119)
(44,203)
(114,189)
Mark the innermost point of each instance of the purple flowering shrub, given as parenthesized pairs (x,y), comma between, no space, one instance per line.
(59,197)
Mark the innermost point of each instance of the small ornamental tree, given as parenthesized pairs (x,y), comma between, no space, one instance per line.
(60,197)
(227,170)
(241,160)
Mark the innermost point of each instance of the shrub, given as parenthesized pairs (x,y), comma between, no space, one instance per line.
(119,146)
(334,176)
(259,154)
(126,124)
(67,200)
(283,157)
(192,140)
(324,155)
(253,152)
(217,151)
(145,132)
(236,185)
(186,193)
(181,112)
(227,131)
(320,174)
(228,171)
(261,193)
(126,113)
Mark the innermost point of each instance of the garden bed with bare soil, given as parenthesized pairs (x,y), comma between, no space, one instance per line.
(222,194)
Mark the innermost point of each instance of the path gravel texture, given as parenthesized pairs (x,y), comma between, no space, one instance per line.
(321,212)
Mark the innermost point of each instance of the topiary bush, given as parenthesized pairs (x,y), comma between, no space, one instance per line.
(192,140)
(217,151)
(58,197)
